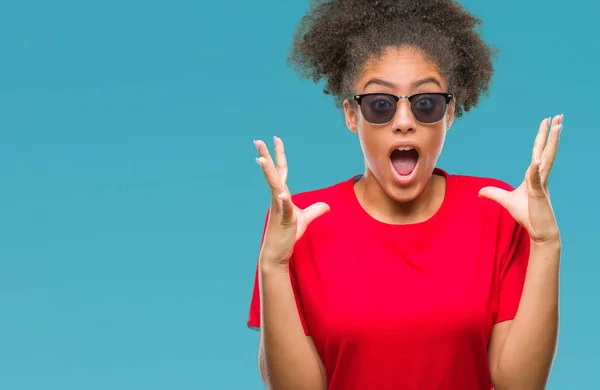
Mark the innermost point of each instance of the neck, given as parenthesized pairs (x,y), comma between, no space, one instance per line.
(380,206)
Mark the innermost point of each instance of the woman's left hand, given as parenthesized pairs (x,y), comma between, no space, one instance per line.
(529,204)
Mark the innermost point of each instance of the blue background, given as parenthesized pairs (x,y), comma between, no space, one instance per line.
(131,208)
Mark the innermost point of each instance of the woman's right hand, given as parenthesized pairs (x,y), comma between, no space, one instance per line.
(287,223)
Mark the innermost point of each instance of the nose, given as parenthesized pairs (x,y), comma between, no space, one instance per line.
(403,122)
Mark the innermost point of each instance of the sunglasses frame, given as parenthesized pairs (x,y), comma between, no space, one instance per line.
(359,97)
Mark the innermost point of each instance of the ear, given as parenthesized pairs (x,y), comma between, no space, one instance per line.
(351,116)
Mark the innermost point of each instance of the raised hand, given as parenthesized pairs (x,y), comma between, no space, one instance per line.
(529,204)
(287,223)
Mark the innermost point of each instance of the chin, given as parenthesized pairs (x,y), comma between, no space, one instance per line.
(404,194)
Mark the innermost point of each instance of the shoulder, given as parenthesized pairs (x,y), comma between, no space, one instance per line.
(333,193)
(469,184)
(467,187)
(465,191)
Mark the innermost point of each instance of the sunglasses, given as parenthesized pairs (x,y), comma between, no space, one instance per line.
(380,108)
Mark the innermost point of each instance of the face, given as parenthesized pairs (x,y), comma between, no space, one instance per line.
(402,153)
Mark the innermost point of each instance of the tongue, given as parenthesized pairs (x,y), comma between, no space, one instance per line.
(404,161)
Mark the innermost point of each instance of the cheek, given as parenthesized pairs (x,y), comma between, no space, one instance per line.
(372,147)
(436,144)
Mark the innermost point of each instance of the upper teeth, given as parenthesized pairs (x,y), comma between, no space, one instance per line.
(405,148)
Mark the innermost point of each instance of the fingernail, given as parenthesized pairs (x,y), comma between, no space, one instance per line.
(256,159)
(560,118)
(255,144)
(275,140)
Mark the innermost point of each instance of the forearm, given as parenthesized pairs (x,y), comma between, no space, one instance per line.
(288,361)
(528,351)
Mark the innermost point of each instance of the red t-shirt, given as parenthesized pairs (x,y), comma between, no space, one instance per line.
(407,306)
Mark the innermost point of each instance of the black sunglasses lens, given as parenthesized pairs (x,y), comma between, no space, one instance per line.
(428,108)
(378,109)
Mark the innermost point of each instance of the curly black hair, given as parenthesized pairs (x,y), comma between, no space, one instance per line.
(336,39)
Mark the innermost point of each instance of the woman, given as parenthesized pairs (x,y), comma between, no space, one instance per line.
(406,276)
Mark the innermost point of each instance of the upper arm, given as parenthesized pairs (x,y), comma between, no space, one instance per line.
(497,339)
(264,369)
(306,368)
(253,320)
(316,355)
(511,274)
(512,270)
(255,308)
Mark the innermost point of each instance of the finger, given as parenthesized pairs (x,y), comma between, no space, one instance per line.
(496,194)
(549,154)
(281,159)
(287,207)
(540,140)
(263,151)
(268,168)
(314,211)
(535,180)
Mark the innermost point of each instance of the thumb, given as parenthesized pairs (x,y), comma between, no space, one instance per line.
(287,208)
(535,179)
(314,211)
(496,194)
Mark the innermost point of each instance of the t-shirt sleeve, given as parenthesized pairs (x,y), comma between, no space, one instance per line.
(512,274)
(254,314)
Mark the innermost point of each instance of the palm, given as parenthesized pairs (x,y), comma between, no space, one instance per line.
(517,202)
(287,222)
(529,203)
(302,222)
(299,219)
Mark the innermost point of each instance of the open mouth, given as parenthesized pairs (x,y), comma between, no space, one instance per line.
(404,160)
